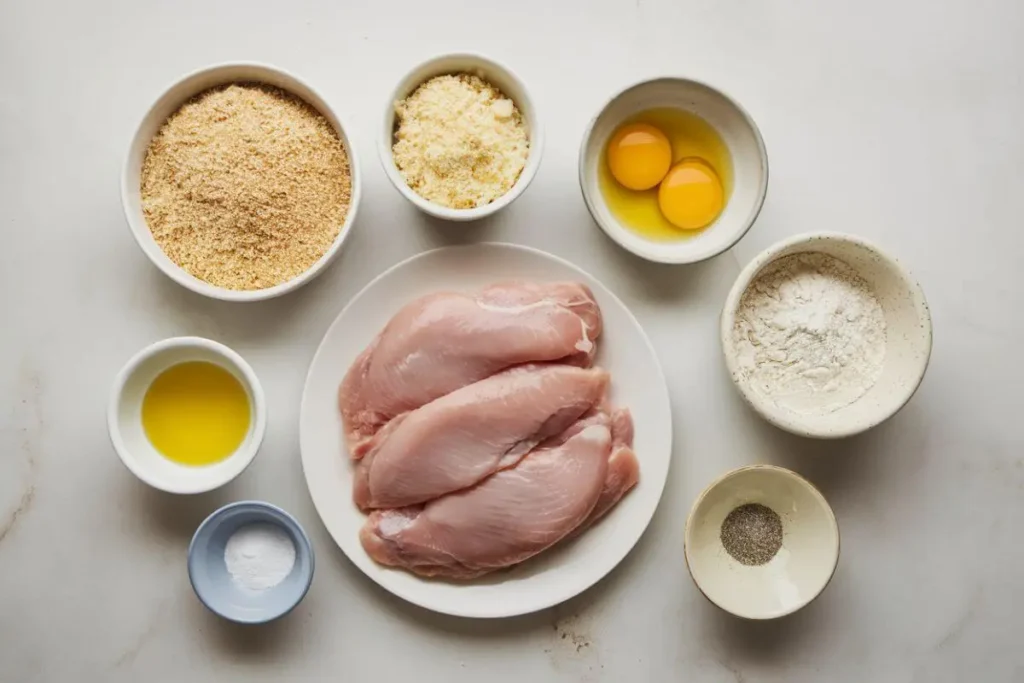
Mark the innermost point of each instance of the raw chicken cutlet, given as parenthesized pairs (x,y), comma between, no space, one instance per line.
(557,491)
(481,435)
(623,468)
(445,341)
(459,439)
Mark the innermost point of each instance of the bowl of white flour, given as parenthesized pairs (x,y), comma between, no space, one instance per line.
(825,335)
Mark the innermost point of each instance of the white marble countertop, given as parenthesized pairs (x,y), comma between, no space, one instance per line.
(899,121)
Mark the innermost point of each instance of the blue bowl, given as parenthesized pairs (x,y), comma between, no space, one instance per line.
(213,584)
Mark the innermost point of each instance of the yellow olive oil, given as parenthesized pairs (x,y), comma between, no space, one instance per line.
(196,413)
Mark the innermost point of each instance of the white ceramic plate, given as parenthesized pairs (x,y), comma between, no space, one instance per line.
(561,572)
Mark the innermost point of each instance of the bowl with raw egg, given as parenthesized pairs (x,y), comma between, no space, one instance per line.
(673,170)
(186,415)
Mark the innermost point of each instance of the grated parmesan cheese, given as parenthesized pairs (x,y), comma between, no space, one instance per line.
(459,141)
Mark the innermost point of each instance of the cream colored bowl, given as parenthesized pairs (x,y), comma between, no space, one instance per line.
(797,574)
(180,92)
(908,336)
(737,130)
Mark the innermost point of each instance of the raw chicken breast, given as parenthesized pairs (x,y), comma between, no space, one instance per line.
(510,517)
(623,468)
(459,439)
(446,341)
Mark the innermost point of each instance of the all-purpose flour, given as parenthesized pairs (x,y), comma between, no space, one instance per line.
(810,334)
(259,556)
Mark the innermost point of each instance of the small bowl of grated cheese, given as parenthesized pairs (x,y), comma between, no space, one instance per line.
(461,139)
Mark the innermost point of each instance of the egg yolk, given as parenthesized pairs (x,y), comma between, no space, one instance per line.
(639,156)
(691,195)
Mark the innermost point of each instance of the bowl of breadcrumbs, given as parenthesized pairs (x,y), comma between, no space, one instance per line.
(240,183)
(461,139)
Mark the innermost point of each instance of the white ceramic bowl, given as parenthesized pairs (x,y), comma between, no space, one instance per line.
(169,102)
(800,570)
(736,128)
(908,336)
(124,416)
(494,73)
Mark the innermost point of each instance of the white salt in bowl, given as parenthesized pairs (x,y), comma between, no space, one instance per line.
(498,75)
(176,95)
(732,123)
(216,588)
(908,343)
(795,576)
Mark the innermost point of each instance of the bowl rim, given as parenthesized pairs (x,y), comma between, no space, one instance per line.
(771,470)
(270,511)
(527,108)
(245,453)
(137,223)
(792,422)
(655,251)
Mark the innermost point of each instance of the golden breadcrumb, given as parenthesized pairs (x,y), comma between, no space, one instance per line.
(246,186)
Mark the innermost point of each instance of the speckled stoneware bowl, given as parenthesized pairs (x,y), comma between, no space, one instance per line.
(208,572)
(908,343)
(798,572)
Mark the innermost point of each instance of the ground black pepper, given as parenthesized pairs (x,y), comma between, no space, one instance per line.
(752,534)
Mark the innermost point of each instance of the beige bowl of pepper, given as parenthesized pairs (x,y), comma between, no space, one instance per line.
(761,542)
(240,183)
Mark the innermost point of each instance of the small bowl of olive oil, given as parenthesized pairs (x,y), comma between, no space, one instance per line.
(673,170)
(186,415)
